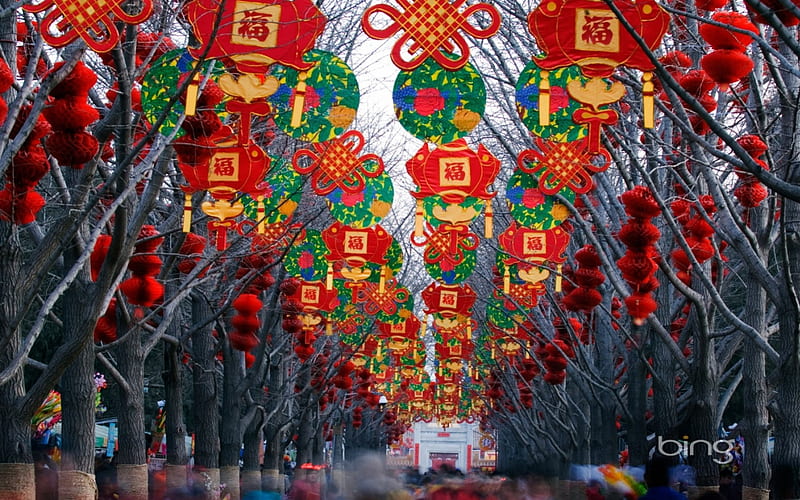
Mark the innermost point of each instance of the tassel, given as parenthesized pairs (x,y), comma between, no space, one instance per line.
(328,328)
(544,99)
(506,281)
(487,221)
(261,228)
(329,278)
(192,91)
(419,227)
(424,327)
(382,281)
(299,100)
(187,213)
(493,353)
(469,331)
(648,101)
(558,278)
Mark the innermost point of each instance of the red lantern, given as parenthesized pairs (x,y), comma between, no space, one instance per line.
(255,34)
(453,171)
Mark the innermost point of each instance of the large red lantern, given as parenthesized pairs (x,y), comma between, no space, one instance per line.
(588,33)
(255,34)
(453,171)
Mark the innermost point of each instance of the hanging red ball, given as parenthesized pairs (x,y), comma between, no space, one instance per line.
(726,66)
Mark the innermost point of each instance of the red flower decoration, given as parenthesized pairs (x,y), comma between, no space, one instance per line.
(352,199)
(306,260)
(428,101)
(532,198)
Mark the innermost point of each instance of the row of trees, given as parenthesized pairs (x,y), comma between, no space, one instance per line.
(726,327)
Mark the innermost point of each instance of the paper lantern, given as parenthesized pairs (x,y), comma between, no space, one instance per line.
(726,66)
(449,300)
(589,34)
(721,37)
(431,29)
(453,171)
(255,34)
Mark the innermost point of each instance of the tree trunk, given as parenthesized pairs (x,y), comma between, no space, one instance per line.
(230,429)
(17,481)
(253,451)
(132,455)
(16,458)
(786,457)
(755,421)
(604,443)
(78,393)
(703,413)
(177,455)
(637,406)
(206,405)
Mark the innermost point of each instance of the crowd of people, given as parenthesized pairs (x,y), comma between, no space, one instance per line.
(367,478)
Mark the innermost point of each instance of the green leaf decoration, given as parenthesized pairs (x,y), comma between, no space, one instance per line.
(330,101)
(159,84)
(532,208)
(364,209)
(283,190)
(561,127)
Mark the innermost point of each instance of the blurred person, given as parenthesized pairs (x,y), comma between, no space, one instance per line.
(728,487)
(656,475)
(46,476)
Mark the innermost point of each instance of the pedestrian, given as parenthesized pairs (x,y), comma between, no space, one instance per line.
(656,475)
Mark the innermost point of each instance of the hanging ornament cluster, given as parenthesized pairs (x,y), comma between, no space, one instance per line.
(69,114)
(245,322)
(583,44)
(585,296)
(699,85)
(439,98)
(696,230)
(750,192)
(142,289)
(94,21)
(19,201)
(729,36)
(258,41)
(106,328)
(638,265)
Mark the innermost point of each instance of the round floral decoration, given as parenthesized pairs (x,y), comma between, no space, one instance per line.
(330,99)
(437,105)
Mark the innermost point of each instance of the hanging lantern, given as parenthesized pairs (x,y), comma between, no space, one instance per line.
(255,34)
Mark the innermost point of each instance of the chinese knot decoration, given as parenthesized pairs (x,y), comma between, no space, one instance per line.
(336,164)
(432,28)
(91,20)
